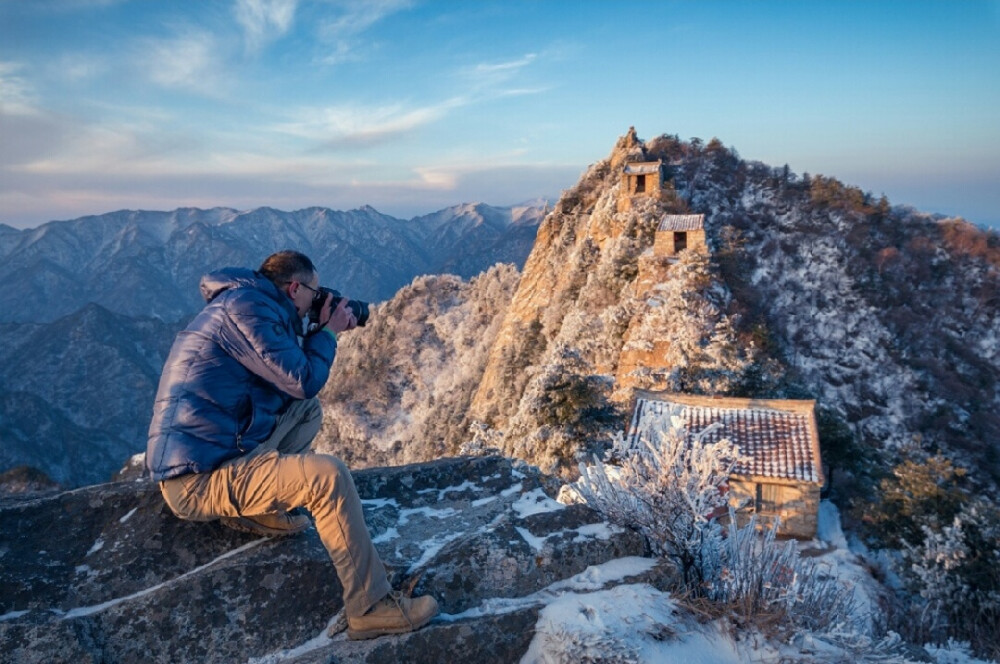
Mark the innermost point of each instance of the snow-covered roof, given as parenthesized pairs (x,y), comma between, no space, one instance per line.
(682,222)
(778,435)
(642,167)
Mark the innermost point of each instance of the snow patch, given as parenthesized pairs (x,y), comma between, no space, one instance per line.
(583,533)
(432,547)
(633,622)
(828,528)
(379,503)
(97,546)
(537,543)
(464,486)
(426,512)
(319,641)
(594,577)
(535,502)
(602,531)
(128,516)
(387,536)
(12,615)
(97,608)
(511,490)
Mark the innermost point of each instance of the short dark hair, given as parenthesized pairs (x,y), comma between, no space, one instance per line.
(286,266)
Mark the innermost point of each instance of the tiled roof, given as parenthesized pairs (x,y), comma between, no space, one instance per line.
(778,436)
(682,222)
(642,167)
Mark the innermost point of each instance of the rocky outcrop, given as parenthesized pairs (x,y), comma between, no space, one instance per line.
(107,574)
(563,335)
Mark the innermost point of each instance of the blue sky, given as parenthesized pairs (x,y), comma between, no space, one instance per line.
(411,106)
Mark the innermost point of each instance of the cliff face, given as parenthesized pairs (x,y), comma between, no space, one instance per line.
(804,288)
(574,337)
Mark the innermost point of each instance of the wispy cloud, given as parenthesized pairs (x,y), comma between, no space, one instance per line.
(264,20)
(355,125)
(16,94)
(28,129)
(188,61)
(79,67)
(73,5)
(341,33)
(503,68)
(489,79)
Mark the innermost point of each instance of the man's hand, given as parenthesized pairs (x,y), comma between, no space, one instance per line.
(342,318)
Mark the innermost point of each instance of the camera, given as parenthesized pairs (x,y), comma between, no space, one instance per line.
(357,307)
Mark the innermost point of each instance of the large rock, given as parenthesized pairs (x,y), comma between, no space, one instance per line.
(108,574)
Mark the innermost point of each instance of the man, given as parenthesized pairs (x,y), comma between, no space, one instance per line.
(235,413)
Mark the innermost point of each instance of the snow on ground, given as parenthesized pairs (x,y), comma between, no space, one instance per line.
(836,559)
(583,620)
(535,502)
(633,622)
(595,616)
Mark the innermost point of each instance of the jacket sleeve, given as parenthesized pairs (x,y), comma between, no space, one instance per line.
(260,338)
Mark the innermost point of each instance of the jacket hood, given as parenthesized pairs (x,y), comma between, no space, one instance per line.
(215,283)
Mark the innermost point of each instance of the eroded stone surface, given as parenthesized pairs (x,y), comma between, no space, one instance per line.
(107,573)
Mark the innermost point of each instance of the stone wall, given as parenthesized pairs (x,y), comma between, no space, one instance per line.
(630,184)
(665,244)
(797,505)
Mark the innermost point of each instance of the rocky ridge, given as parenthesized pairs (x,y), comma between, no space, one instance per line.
(107,574)
(809,289)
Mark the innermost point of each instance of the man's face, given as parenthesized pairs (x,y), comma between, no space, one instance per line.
(303,292)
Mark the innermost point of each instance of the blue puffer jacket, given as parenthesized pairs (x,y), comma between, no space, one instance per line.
(230,373)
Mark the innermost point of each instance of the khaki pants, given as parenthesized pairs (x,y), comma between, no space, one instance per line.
(280,475)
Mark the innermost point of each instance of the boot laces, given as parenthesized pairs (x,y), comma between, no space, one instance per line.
(398,597)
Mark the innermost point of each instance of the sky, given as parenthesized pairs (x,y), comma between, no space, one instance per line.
(411,106)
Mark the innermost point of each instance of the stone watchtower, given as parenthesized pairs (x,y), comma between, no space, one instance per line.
(678,232)
(640,178)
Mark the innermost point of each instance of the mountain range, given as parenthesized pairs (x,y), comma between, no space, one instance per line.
(140,263)
(80,359)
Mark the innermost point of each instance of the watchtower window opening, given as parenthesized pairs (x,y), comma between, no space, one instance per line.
(640,184)
(680,241)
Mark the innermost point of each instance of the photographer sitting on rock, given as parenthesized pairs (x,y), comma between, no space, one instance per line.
(236,412)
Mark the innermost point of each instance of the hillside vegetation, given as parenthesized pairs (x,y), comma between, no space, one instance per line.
(812,288)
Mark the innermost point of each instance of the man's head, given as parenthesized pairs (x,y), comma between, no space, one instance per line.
(295,275)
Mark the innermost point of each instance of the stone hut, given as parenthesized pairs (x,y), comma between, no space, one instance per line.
(640,178)
(678,232)
(783,475)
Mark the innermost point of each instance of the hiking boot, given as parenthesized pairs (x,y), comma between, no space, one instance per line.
(278,524)
(394,614)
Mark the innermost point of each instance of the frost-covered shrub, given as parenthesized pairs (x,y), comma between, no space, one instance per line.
(401,388)
(764,581)
(564,393)
(917,495)
(563,415)
(672,488)
(669,487)
(704,355)
(956,572)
